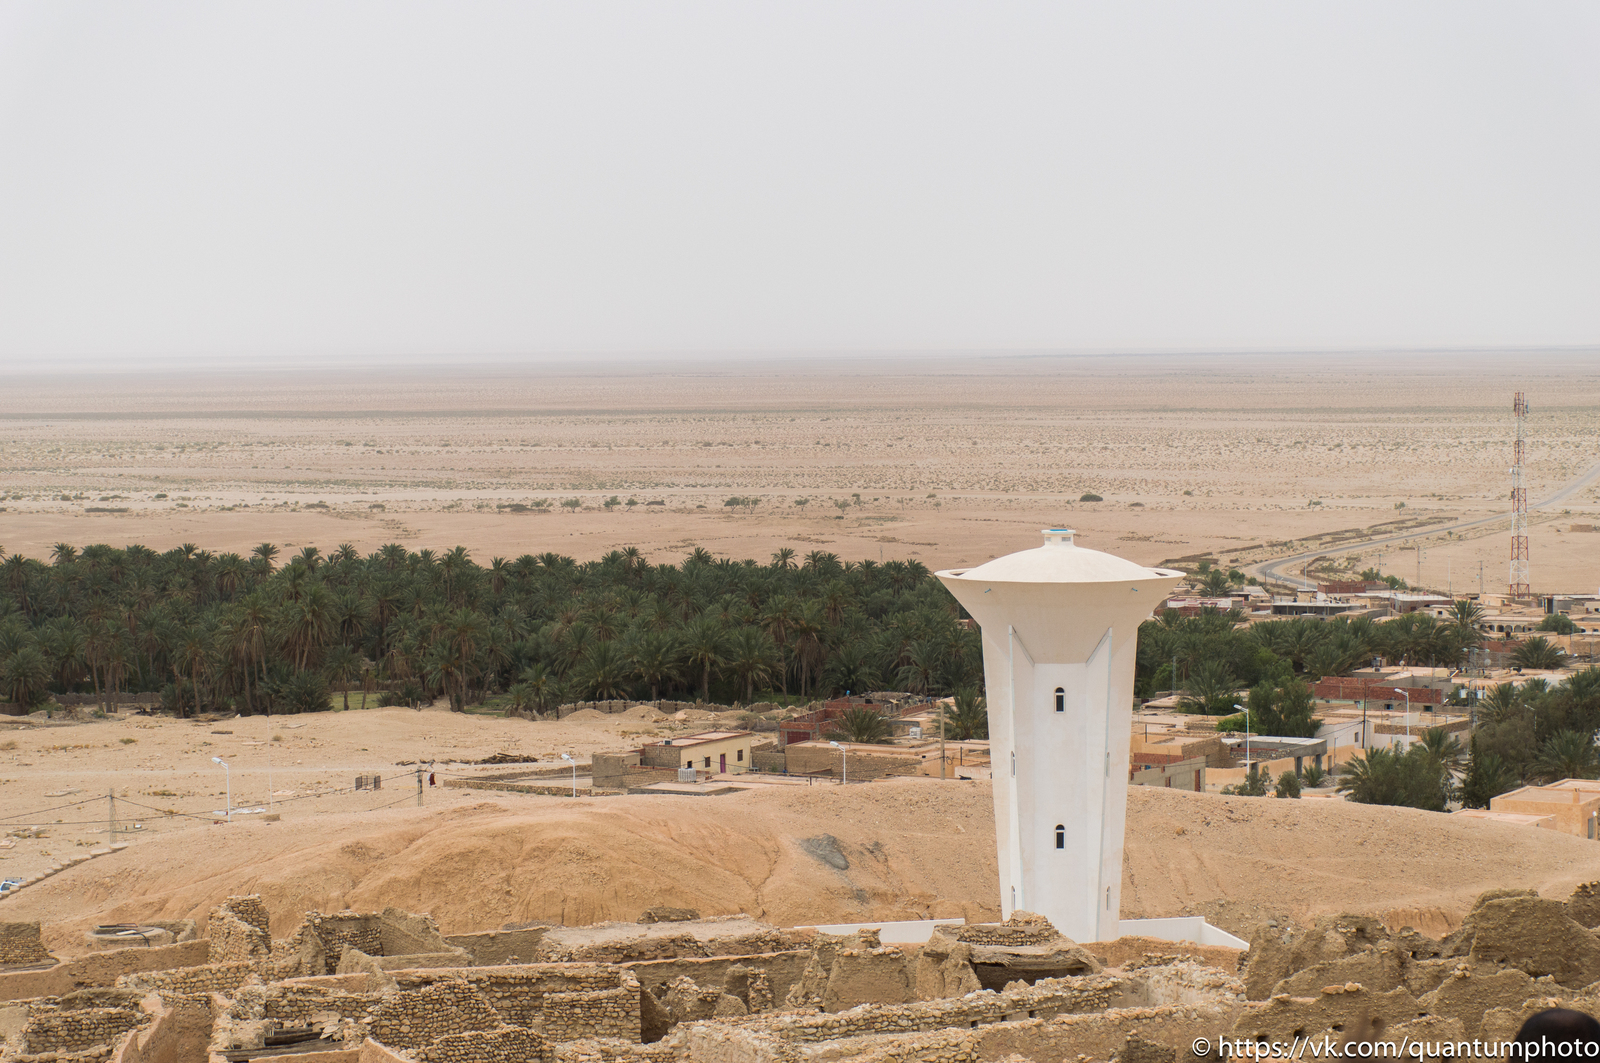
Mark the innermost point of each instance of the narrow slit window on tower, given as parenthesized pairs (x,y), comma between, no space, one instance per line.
(1061,836)
(1061,699)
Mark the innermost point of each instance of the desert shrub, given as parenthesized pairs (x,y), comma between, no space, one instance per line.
(1090,496)
(1288,785)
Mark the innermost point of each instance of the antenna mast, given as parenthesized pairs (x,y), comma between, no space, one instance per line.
(1519,506)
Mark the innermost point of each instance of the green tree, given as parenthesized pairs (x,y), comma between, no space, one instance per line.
(1288,785)
(704,646)
(1210,690)
(859,723)
(27,676)
(967,717)
(1254,785)
(1487,777)
(1539,653)
(1568,755)
(1414,779)
(1560,623)
(752,658)
(344,666)
(603,672)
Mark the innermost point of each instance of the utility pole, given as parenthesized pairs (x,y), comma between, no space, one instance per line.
(1419,566)
(419,785)
(1518,581)
(1480,581)
(941,740)
(111,817)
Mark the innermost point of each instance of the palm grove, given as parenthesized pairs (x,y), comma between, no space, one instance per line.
(250,634)
(226,632)
(1535,732)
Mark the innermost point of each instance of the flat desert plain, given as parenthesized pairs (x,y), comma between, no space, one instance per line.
(946,459)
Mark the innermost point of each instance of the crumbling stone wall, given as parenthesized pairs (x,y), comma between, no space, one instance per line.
(224,978)
(20,946)
(412,1018)
(593,1013)
(359,930)
(238,929)
(518,995)
(293,1005)
(52,1028)
(509,1045)
(1048,997)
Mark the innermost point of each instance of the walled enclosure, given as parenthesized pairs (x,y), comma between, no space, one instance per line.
(719,991)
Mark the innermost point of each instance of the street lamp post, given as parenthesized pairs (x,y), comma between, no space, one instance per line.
(844,763)
(229,776)
(1246,710)
(1407,695)
(568,758)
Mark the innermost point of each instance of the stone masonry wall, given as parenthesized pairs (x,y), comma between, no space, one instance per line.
(517,993)
(293,1005)
(224,978)
(510,1045)
(50,1029)
(412,1018)
(1048,997)
(233,940)
(20,946)
(361,931)
(595,1013)
(249,909)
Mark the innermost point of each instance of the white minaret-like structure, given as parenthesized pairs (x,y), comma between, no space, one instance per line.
(1060,628)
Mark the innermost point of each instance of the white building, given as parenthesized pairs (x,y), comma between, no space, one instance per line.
(1060,626)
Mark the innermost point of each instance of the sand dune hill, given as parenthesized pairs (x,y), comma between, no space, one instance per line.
(909,849)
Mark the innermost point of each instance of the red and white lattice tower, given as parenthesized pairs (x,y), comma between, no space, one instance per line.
(1519,506)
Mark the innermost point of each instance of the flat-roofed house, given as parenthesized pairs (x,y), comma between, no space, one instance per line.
(726,752)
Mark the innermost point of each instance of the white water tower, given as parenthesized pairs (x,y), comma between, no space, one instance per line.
(1060,627)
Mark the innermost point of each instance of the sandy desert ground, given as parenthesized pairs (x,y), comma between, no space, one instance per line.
(476,859)
(948,461)
(944,459)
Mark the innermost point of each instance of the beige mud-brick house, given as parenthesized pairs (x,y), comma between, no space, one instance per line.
(727,752)
(1575,804)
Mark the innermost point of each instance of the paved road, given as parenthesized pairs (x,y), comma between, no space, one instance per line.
(1273,569)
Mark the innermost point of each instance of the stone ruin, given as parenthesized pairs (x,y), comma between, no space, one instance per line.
(378,987)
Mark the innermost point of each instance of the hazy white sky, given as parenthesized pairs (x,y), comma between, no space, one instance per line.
(237,182)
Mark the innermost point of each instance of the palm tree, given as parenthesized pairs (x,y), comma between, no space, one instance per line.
(1487,777)
(27,674)
(753,657)
(967,718)
(603,672)
(344,666)
(704,647)
(1445,747)
(919,675)
(465,631)
(1569,755)
(655,656)
(1210,690)
(545,690)
(264,555)
(783,558)
(859,724)
(852,668)
(1537,652)
(1499,700)
(1466,614)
